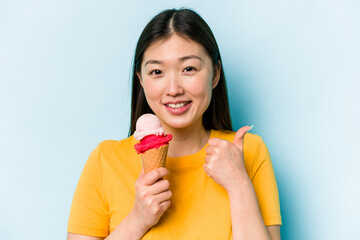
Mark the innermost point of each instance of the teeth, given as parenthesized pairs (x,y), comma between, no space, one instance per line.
(178,105)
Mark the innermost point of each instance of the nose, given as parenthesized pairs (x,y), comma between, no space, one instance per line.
(174,85)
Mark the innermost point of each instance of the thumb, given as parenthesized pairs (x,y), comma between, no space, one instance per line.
(239,137)
(142,173)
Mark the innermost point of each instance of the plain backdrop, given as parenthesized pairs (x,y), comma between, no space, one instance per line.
(292,69)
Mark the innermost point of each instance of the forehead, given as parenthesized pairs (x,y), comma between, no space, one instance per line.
(174,48)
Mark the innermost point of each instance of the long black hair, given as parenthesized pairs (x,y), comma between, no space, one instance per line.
(188,24)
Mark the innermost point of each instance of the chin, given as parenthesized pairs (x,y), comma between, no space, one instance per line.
(181,124)
(178,125)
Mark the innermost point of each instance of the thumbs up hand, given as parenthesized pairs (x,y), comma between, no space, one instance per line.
(224,162)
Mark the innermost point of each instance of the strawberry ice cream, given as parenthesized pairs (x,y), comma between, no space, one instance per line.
(150,133)
(154,142)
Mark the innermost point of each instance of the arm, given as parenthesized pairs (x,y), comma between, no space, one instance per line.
(225,165)
(73,236)
(274,232)
(246,219)
(125,230)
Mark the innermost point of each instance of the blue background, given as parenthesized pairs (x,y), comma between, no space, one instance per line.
(292,69)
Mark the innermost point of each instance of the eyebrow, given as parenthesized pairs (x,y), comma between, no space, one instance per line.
(182,59)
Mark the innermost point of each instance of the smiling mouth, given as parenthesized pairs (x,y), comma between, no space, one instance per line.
(178,105)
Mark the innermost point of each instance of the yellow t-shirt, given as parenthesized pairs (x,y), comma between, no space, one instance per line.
(199,208)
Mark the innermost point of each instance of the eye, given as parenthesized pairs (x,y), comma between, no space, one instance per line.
(155,72)
(189,69)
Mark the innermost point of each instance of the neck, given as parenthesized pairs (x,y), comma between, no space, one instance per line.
(187,141)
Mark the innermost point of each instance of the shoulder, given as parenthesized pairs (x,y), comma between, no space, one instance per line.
(116,144)
(113,155)
(108,148)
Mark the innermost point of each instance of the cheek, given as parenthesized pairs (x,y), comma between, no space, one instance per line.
(151,89)
(202,89)
(201,92)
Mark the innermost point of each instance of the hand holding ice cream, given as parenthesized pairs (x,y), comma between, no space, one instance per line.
(152,191)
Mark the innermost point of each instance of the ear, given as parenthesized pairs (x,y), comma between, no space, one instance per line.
(139,77)
(216,78)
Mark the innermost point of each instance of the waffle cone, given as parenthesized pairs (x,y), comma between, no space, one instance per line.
(154,158)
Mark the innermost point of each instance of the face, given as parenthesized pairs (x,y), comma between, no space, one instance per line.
(177,76)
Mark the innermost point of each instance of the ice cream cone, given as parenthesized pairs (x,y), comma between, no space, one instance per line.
(154,158)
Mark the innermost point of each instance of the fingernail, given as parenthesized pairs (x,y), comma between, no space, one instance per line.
(250,128)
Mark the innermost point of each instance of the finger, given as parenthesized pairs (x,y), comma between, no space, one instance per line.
(142,169)
(210,149)
(164,196)
(239,137)
(154,175)
(207,159)
(159,187)
(161,207)
(206,169)
(215,141)
(142,172)
(165,205)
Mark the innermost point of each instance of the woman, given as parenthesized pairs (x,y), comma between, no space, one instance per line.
(222,184)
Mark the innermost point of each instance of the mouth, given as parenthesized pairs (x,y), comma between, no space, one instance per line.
(177,105)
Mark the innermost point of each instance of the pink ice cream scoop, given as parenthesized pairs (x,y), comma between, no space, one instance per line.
(148,124)
(150,133)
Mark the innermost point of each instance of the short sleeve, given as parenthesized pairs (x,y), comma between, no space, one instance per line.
(89,213)
(265,186)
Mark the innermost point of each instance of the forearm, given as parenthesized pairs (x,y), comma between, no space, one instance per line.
(128,229)
(246,219)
